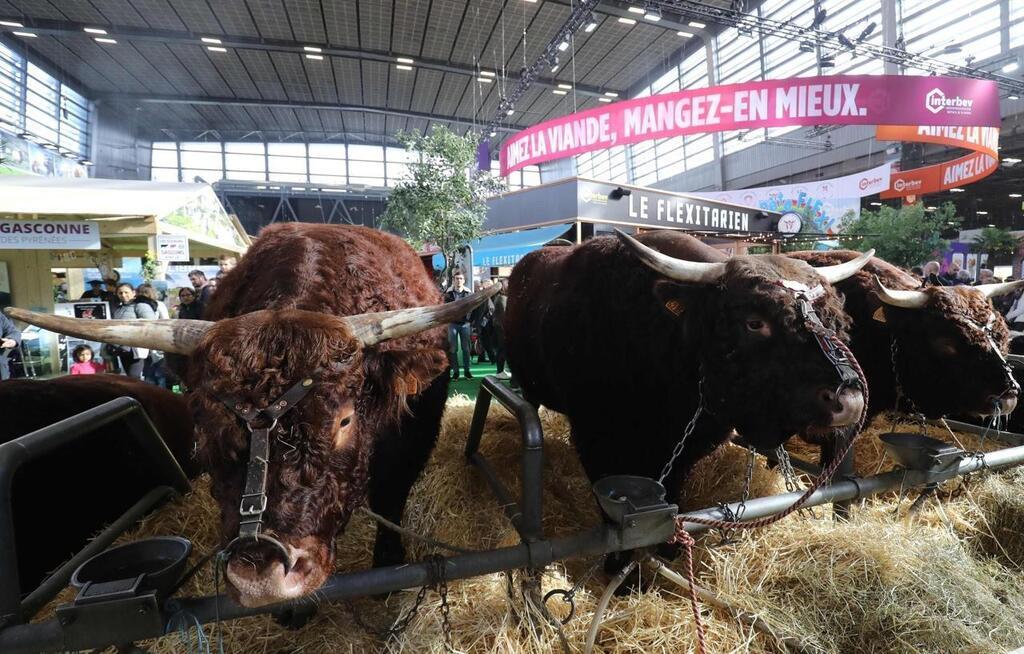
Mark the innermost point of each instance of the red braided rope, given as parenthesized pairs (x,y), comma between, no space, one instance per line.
(684,537)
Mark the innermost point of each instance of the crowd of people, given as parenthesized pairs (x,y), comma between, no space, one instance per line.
(1010,305)
(480,332)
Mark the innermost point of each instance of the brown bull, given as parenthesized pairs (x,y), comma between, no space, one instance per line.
(347,308)
(944,345)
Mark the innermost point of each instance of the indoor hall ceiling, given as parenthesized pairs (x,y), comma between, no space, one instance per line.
(264,82)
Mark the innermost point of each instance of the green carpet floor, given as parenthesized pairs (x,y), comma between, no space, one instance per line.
(471,386)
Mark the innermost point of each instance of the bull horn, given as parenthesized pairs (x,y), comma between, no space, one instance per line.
(373,328)
(993,290)
(839,272)
(177,336)
(902,299)
(692,272)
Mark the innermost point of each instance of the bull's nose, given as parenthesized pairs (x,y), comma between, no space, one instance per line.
(845,408)
(1006,402)
(261,582)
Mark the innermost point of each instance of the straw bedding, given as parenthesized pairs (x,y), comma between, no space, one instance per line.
(947,580)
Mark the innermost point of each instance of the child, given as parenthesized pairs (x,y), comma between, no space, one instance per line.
(85,366)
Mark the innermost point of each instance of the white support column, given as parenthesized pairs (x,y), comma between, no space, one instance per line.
(890,31)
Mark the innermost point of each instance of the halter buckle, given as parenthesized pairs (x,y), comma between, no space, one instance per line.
(253,510)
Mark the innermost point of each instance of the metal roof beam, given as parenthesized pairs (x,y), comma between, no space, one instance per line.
(141,98)
(60,28)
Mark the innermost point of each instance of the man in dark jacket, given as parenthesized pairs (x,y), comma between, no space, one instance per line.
(95,291)
(458,330)
(498,327)
(10,338)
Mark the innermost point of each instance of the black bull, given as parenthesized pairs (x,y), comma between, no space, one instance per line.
(625,353)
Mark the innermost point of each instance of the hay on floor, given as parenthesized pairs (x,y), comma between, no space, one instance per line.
(947,581)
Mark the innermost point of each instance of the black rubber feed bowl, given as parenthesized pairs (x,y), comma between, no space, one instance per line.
(620,495)
(920,452)
(159,561)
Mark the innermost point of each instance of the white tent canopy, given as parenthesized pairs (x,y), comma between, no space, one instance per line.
(24,194)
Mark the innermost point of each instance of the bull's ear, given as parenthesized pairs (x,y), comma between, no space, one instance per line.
(413,370)
(672,297)
(879,314)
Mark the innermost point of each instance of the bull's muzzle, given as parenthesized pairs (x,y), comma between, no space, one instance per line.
(844,407)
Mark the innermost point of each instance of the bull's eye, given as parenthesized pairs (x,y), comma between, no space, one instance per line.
(346,422)
(755,325)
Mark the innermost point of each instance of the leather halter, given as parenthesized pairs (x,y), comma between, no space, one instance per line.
(825,337)
(254,496)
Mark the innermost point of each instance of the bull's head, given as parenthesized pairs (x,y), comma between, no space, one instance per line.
(761,367)
(320,449)
(949,347)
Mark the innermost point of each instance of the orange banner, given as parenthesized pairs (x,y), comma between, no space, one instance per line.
(981,163)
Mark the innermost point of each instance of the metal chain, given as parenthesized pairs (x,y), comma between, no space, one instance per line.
(786,465)
(568,596)
(678,449)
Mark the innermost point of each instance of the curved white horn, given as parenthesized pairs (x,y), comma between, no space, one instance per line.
(903,299)
(372,328)
(840,271)
(692,272)
(178,336)
(993,290)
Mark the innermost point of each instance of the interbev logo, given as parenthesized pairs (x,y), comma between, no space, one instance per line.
(937,101)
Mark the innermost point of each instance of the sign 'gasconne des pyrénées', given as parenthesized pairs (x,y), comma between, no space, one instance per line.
(49,234)
(828,100)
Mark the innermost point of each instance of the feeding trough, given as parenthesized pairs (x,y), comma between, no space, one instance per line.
(149,565)
(938,460)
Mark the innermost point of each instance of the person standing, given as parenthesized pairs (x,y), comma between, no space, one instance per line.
(498,326)
(10,338)
(95,291)
(188,308)
(202,288)
(226,263)
(132,307)
(153,371)
(458,330)
(480,320)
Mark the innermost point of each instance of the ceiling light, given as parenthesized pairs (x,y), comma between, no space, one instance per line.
(10,23)
(591,23)
(982,213)
(1015,195)
(25,34)
(567,87)
(806,46)
(1013,96)
(85,162)
(653,13)
(510,112)
(487,73)
(876,204)
(207,39)
(1010,160)
(559,92)
(699,25)
(604,99)
(636,10)
(956,190)
(211,48)
(93,30)
(315,57)
(554,68)
(485,80)
(100,39)
(611,94)
(626,21)
(493,133)
(310,48)
(531,1)
(563,46)
(404,60)
(403,67)
(685,35)
(1010,67)
(991,225)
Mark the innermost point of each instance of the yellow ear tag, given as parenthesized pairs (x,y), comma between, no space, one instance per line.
(879,314)
(675,306)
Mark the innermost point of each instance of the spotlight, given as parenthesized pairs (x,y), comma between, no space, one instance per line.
(1010,67)
(867,31)
(618,193)
(845,42)
(591,23)
(806,46)
(563,46)
(653,13)
(827,61)
(819,18)
(493,133)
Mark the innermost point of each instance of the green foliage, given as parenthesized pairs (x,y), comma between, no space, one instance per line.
(996,242)
(906,236)
(150,267)
(443,200)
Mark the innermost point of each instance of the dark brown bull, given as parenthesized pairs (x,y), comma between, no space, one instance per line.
(624,349)
(331,303)
(940,340)
(64,498)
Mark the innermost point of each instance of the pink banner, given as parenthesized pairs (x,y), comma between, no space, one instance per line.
(835,100)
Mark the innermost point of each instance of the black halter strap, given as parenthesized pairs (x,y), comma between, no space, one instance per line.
(254,496)
(823,336)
